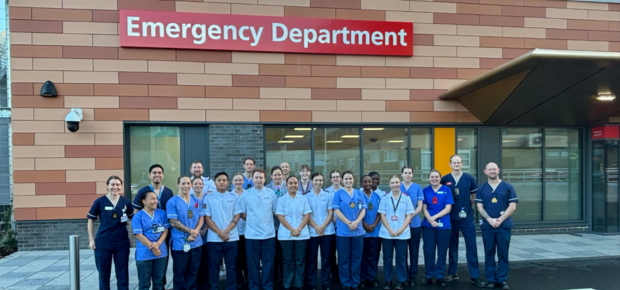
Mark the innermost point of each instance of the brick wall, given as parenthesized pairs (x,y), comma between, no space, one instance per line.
(75,44)
(230,144)
(50,235)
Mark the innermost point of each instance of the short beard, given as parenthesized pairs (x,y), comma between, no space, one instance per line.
(196,174)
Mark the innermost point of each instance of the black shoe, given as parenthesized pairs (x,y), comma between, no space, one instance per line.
(503,285)
(441,282)
(325,287)
(400,286)
(363,285)
(451,277)
(490,285)
(478,282)
(411,282)
(427,281)
(373,284)
(388,285)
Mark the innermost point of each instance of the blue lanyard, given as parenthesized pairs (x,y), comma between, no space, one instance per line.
(161,190)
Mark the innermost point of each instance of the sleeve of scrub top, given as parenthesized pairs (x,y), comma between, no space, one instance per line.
(136,200)
(473,185)
(171,209)
(336,201)
(129,208)
(275,201)
(420,193)
(307,208)
(409,206)
(236,207)
(94,211)
(449,199)
(280,208)
(242,204)
(136,225)
(364,204)
(512,195)
(424,198)
(479,194)
(207,210)
(166,222)
(382,209)
(330,201)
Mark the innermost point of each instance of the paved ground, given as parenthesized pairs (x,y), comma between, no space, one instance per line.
(49,269)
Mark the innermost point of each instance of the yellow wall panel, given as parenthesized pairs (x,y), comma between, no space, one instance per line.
(444,148)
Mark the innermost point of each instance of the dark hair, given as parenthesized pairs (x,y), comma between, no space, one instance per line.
(434,170)
(113,177)
(259,170)
(220,174)
(156,166)
(406,167)
(455,155)
(347,172)
(203,182)
(291,176)
(181,177)
(315,175)
(197,161)
(144,196)
(304,166)
(362,179)
(373,173)
(273,169)
(335,170)
(249,158)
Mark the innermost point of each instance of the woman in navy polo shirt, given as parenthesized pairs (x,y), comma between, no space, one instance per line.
(150,226)
(185,213)
(436,230)
(350,207)
(112,241)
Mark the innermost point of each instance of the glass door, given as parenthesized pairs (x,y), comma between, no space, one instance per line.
(605,206)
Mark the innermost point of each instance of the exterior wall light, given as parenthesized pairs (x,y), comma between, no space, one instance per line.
(606,97)
(48,89)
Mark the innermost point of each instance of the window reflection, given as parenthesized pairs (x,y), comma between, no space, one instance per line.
(385,151)
(292,145)
(563,199)
(421,155)
(337,148)
(467,148)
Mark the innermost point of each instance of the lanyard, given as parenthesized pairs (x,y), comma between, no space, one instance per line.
(161,190)
(397,203)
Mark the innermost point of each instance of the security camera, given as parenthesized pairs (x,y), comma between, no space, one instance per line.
(73,120)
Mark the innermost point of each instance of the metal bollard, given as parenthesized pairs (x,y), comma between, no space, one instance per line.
(74,260)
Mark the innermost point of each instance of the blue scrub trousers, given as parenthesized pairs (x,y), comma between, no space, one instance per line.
(242,263)
(350,259)
(218,251)
(260,251)
(414,251)
(469,234)
(496,240)
(294,263)
(370,259)
(151,270)
(103,261)
(389,245)
(185,268)
(325,242)
(435,240)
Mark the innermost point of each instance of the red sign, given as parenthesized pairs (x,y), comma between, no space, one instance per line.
(158,29)
(606,132)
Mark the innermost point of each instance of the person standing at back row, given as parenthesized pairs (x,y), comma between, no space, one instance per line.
(197,169)
(496,201)
(248,165)
(463,187)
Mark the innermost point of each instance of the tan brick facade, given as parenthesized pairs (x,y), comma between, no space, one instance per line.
(75,44)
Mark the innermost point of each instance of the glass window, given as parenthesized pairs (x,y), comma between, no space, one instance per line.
(337,148)
(467,148)
(292,145)
(151,145)
(385,151)
(563,199)
(522,167)
(421,155)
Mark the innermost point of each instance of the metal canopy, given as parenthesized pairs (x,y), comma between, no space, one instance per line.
(544,88)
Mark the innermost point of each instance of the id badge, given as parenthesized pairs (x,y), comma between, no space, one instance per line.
(190,213)
(501,212)
(456,190)
(394,218)
(370,205)
(440,225)
(124,218)
(462,214)
(155,229)
(186,248)
(161,229)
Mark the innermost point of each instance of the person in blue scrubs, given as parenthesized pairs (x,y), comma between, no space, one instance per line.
(241,266)
(372,242)
(436,228)
(376,180)
(278,186)
(496,201)
(322,233)
(164,194)
(186,216)
(305,184)
(150,227)
(414,191)
(248,165)
(396,211)
(112,240)
(222,216)
(350,207)
(259,205)
(197,170)
(335,177)
(463,187)
(202,281)
(293,211)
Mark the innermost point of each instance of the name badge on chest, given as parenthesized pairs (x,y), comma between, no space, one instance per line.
(494,200)
(109,208)
(352,205)
(124,218)
(434,200)
(370,205)
(394,218)
(190,213)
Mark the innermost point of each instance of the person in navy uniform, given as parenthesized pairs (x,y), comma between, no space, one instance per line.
(164,194)
(350,207)
(112,240)
(436,228)
(248,165)
(372,242)
(186,216)
(496,201)
(463,187)
(150,227)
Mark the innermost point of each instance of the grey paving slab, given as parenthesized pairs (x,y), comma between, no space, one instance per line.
(33,282)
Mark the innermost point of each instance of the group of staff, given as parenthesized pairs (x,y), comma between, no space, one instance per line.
(277,229)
